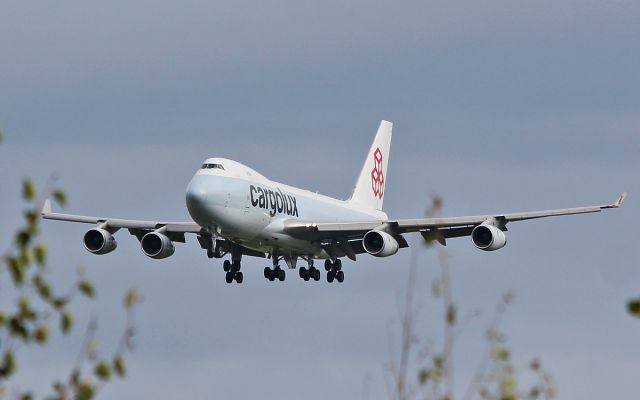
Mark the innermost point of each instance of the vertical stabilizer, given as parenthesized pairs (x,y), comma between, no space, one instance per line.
(369,190)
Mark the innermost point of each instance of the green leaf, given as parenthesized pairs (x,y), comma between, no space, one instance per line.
(84,391)
(86,288)
(40,254)
(23,238)
(131,298)
(501,353)
(17,270)
(60,302)
(60,197)
(28,190)
(508,388)
(17,328)
(41,334)
(119,366)
(9,365)
(633,306)
(103,371)
(66,321)
(43,288)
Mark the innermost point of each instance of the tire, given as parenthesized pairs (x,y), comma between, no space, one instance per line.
(209,254)
(239,277)
(229,277)
(327,265)
(267,272)
(226,265)
(340,276)
(316,274)
(330,276)
(304,273)
(271,277)
(338,264)
(281,275)
(235,266)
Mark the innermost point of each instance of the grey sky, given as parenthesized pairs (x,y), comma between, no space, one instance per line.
(499,106)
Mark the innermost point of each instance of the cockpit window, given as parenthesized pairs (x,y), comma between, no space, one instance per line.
(212,166)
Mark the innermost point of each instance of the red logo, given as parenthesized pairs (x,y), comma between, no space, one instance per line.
(377,176)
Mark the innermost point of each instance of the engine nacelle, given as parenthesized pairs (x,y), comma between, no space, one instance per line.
(380,244)
(488,237)
(99,241)
(156,245)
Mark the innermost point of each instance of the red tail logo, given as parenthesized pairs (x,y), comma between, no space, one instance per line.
(377,176)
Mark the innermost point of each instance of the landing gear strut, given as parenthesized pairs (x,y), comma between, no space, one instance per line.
(311,272)
(334,270)
(276,272)
(232,268)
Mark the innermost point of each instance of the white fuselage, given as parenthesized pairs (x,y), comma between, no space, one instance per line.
(242,205)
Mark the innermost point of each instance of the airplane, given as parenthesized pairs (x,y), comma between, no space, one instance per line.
(237,211)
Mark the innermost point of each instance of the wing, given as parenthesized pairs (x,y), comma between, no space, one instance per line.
(175,230)
(431,228)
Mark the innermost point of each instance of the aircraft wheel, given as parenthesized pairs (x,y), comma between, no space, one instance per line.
(316,274)
(304,273)
(281,275)
(229,277)
(330,276)
(271,277)
(226,265)
(338,264)
(267,272)
(327,265)
(235,266)
(239,277)
(209,253)
(340,276)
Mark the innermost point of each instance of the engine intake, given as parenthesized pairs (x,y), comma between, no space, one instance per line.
(380,244)
(99,241)
(488,237)
(156,245)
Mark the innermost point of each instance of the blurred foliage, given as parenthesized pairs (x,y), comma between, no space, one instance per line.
(38,307)
(496,377)
(633,306)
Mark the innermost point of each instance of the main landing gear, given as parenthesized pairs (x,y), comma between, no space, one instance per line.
(310,273)
(334,270)
(232,268)
(276,272)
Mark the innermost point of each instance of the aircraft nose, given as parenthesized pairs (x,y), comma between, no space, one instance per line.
(196,195)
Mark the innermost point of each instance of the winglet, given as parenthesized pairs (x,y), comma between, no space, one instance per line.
(620,200)
(46,208)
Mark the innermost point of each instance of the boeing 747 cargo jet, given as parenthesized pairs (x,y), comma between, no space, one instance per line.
(239,212)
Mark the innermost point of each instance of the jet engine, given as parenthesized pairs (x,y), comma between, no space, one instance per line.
(156,245)
(380,244)
(488,237)
(99,241)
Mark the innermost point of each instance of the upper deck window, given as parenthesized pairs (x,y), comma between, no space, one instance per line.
(212,166)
